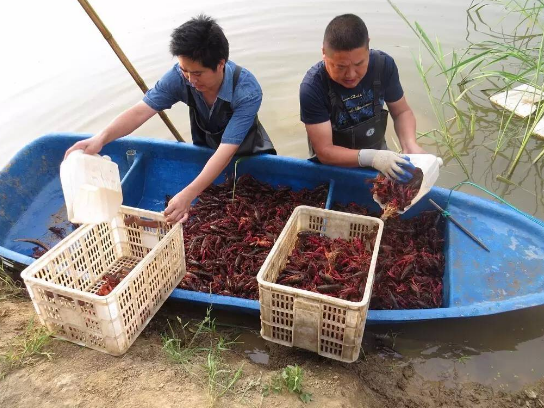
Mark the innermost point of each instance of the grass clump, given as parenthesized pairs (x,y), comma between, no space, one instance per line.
(290,378)
(26,349)
(9,289)
(199,348)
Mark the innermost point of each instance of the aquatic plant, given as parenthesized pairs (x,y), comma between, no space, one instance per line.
(511,53)
(509,58)
(446,106)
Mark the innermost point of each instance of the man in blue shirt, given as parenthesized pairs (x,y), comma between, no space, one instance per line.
(223,101)
(341,103)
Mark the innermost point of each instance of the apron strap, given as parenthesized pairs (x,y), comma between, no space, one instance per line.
(377,84)
(235,77)
(337,104)
(190,98)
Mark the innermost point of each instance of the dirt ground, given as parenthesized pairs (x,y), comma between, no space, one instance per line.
(145,377)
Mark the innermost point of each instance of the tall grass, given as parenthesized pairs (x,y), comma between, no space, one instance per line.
(449,99)
(509,59)
(510,54)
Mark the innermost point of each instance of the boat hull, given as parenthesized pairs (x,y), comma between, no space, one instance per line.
(476,282)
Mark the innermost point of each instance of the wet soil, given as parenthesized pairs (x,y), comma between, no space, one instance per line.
(145,377)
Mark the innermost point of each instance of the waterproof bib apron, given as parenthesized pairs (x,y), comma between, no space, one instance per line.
(255,142)
(368,134)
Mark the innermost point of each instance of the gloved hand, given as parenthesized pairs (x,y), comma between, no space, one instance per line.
(392,165)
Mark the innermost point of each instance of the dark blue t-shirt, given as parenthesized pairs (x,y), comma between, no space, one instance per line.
(315,106)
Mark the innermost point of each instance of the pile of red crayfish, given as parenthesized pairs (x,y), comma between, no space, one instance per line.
(231,230)
(335,267)
(111,280)
(396,196)
(410,263)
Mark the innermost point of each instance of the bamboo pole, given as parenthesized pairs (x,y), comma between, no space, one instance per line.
(121,55)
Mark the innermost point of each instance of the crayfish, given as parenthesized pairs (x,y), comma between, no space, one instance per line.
(333,267)
(111,280)
(410,263)
(396,196)
(231,230)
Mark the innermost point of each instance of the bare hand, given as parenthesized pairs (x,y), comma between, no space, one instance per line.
(178,207)
(414,149)
(89,146)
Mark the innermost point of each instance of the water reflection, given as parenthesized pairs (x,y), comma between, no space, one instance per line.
(497,350)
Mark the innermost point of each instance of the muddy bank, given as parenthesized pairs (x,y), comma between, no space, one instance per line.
(146,377)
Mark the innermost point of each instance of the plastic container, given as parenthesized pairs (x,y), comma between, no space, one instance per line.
(92,188)
(429,165)
(329,326)
(63,283)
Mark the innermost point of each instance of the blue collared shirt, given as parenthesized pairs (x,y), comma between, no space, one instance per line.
(245,101)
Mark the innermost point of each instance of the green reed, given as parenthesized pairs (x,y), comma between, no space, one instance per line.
(446,107)
(508,56)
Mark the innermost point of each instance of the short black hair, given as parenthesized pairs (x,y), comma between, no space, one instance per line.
(345,33)
(202,40)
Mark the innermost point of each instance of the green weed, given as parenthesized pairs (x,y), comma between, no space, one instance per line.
(290,378)
(463,359)
(445,107)
(199,348)
(26,349)
(9,289)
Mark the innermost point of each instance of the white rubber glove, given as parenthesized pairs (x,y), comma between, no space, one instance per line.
(387,162)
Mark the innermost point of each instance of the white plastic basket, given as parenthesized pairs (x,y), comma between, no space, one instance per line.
(329,326)
(64,281)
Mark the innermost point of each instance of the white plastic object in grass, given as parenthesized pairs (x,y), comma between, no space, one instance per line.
(92,187)
(523,100)
(429,165)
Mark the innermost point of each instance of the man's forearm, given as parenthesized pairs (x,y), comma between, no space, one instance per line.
(339,156)
(126,123)
(213,168)
(405,128)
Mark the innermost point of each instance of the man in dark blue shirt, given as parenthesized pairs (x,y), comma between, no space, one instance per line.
(223,101)
(342,98)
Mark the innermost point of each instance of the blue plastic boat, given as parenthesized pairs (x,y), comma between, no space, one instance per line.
(476,282)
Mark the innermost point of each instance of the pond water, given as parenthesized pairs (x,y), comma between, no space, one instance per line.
(59,74)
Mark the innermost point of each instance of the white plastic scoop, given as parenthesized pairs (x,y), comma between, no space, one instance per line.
(429,165)
(91,187)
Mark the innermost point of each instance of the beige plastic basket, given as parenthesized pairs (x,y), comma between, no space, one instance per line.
(63,282)
(329,326)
